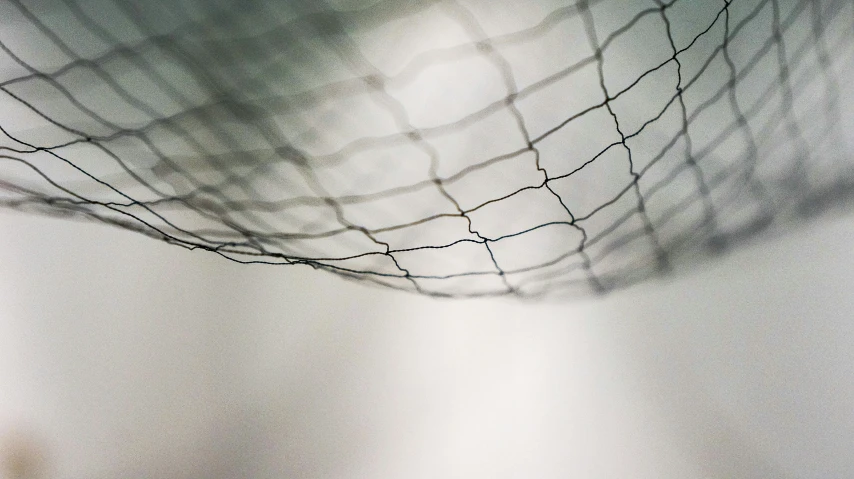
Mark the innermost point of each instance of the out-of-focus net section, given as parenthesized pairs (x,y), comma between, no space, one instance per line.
(458,147)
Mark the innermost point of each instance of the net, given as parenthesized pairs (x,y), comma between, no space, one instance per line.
(450,148)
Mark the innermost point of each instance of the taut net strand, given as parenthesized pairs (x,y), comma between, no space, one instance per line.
(450,148)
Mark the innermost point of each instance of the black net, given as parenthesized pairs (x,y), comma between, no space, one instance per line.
(454,148)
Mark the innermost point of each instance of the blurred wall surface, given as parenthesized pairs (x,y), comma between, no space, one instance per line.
(124,357)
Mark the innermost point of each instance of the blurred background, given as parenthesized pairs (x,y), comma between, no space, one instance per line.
(125,357)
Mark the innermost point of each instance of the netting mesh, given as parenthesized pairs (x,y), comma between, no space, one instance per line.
(453,148)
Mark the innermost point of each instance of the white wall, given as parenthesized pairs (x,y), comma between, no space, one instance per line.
(121,356)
